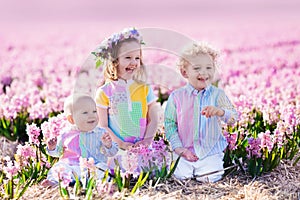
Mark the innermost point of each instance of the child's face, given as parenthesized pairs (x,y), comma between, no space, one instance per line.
(129,57)
(85,114)
(200,71)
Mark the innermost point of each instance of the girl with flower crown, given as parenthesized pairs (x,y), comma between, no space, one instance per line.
(126,105)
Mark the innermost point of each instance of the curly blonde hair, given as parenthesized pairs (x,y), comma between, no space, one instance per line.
(110,71)
(196,49)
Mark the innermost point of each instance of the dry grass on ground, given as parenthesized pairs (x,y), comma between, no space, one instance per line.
(282,183)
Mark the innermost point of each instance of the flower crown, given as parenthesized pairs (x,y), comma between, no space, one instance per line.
(103,51)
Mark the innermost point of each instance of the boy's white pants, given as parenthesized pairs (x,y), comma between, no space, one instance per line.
(186,169)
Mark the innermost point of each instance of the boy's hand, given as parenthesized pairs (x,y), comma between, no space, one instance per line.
(210,111)
(106,140)
(187,154)
(51,143)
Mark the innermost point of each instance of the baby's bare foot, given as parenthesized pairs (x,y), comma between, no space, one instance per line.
(47,183)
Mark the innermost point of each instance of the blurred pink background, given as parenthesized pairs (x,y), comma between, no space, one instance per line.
(191,15)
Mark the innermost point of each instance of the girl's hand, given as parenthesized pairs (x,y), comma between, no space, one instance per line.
(51,143)
(210,111)
(126,145)
(145,142)
(106,140)
(187,154)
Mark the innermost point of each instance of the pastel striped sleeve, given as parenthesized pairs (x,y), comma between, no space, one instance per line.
(101,99)
(171,126)
(150,96)
(230,116)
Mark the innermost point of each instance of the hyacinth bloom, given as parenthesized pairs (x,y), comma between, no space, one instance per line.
(146,158)
(44,162)
(33,132)
(130,164)
(26,153)
(53,127)
(64,177)
(105,187)
(254,149)
(278,137)
(231,139)
(11,169)
(87,164)
(6,80)
(266,140)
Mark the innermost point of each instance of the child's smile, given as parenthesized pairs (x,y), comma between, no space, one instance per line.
(130,69)
(200,71)
(202,79)
(129,59)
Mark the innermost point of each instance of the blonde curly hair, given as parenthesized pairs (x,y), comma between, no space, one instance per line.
(196,49)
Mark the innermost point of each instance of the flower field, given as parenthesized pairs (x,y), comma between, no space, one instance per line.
(259,70)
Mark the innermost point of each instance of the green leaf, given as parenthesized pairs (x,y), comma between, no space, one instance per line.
(173,166)
(98,63)
(140,182)
(296,161)
(65,193)
(90,187)
(24,189)
(144,179)
(118,177)
(77,186)
(163,171)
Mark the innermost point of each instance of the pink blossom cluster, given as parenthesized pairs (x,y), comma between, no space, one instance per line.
(10,168)
(54,126)
(87,164)
(264,77)
(33,132)
(64,176)
(253,149)
(36,74)
(231,139)
(26,153)
(147,158)
(266,140)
